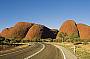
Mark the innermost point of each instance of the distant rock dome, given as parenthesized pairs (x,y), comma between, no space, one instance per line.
(69,27)
(84,31)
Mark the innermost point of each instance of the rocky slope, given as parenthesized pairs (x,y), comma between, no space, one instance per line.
(39,32)
(32,31)
(84,31)
(18,31)
(69,27)
(55,31)
(29,31)
(0,34)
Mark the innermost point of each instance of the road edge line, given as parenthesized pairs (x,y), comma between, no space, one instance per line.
(61,51)
(36,52)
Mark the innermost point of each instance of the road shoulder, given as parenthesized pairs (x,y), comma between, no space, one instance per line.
(66,53)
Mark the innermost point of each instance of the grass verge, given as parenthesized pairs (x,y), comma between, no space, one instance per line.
(82,51)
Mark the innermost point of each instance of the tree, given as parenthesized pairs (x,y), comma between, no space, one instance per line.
(7,41)
(62,36)
(2,41)
(73,38)
(36,39)
(18,40)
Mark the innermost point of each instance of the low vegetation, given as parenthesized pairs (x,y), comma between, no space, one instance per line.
(8,43)
(63,37)
(82,51)
(82,47)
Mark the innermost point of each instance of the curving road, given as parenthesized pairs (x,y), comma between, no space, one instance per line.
(50,52)
(37,51)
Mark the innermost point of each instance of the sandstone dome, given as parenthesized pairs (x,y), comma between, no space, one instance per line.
(84,31)
(69,27)
(39,32)
(19,30)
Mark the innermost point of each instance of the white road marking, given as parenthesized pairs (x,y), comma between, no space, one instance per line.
(36,52)
(61,51)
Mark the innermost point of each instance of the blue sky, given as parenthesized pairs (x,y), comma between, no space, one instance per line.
(51,13)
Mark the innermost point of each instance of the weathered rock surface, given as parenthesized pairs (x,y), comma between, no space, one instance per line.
(28,31)
(55,31)
(0,34)
(18,31)
(31,31)
(84,31)
(34,32)
(39,32)
(69,27)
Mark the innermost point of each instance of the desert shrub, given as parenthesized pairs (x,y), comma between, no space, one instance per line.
(18,40)
(73,38)
(85,42)
(2,39)
(7,41)
(58,40)
(61,36)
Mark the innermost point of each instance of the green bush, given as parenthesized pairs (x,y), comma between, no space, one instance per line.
(2,39)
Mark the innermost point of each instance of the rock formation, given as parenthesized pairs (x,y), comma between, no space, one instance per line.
(0,34)
(29,31)
(84,31)
(55,31)
(18,31)
(69,27)
(39,32)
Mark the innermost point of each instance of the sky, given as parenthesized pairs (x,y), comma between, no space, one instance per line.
(51,13)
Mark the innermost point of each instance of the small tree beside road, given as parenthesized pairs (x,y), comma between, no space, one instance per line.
(62,36)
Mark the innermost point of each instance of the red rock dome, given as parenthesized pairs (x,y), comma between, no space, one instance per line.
(69,27)
(18,31)
(38,32)
(84,31)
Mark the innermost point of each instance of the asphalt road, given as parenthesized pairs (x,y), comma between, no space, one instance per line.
(49,52)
